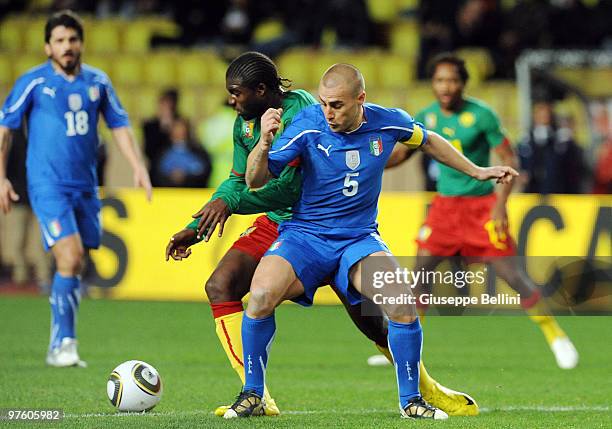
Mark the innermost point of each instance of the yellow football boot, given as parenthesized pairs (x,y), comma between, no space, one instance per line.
(269,406)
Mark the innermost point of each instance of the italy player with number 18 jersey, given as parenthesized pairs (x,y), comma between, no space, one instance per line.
(62,100)
(62,122)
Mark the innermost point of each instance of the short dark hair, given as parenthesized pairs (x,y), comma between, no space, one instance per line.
(68,19)
(448,58)
(253,68)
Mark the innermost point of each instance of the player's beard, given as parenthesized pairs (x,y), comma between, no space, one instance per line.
(451,102)
(68,65)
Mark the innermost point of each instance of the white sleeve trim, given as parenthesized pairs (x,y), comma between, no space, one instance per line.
(25,94)
(290,142)
(392,127)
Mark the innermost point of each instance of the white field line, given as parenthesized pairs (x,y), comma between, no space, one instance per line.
(543,409)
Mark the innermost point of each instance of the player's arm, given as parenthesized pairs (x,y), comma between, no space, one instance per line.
(499,213)
(117,120)
(257,173)
(278,193)
(235,182)
(17,104)
(233,197)
(442,151)
(266,161)
(217,210)
(495,136)
(7,193)
(124,137)
(401,153)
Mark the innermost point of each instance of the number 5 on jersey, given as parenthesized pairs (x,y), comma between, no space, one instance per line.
(76,123)
(350,185)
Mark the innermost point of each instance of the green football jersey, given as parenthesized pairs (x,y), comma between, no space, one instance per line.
(246,136)
(473,130)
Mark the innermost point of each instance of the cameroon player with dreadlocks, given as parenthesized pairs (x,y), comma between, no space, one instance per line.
(254,86)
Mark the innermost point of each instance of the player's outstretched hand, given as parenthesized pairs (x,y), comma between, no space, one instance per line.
(7,195)
(270,123)
(214,213)
(178,247)
(502,173)
(142,180)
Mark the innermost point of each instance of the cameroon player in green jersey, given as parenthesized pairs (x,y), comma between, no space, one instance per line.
(254,86)
(467,217)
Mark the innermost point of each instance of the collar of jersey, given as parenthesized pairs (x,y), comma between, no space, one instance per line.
(63,76)
(365,121)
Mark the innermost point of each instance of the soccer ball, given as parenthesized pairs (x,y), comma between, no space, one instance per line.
(134,386)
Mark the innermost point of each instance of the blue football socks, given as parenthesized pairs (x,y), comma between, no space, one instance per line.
(257,337)
(405,343)
(64,299)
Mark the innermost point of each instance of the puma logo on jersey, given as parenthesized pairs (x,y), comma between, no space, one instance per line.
(49,91)
(324,149)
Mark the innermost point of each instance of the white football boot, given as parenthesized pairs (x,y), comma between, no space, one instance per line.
(565,353)
(378,360)
(65,355)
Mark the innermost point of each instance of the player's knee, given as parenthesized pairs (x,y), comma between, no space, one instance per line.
(403,318)
(70,263)
(262,302)
(401,313)
(218,289)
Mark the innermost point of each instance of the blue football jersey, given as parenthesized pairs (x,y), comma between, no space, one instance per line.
(342,172)
(62,118)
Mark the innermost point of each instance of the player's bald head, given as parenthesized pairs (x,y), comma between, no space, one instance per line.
(344,76)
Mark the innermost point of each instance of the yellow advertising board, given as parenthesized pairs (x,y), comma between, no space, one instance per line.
(131,265)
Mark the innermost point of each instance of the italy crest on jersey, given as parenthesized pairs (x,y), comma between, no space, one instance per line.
(94,93)
(352,159)
(275,245)
(376,145)
(248,129)
(75,102)
(55,229)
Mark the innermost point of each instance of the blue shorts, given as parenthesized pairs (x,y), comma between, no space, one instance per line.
(62,212)
(317,257)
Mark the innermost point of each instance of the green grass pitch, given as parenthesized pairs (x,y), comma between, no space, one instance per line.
(317,372)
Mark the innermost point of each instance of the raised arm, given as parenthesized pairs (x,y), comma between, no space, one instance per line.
(257,172)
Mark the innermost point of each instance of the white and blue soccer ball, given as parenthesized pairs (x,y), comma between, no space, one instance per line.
(134,386)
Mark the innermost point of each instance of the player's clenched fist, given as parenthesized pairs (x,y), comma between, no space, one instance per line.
(270,123)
